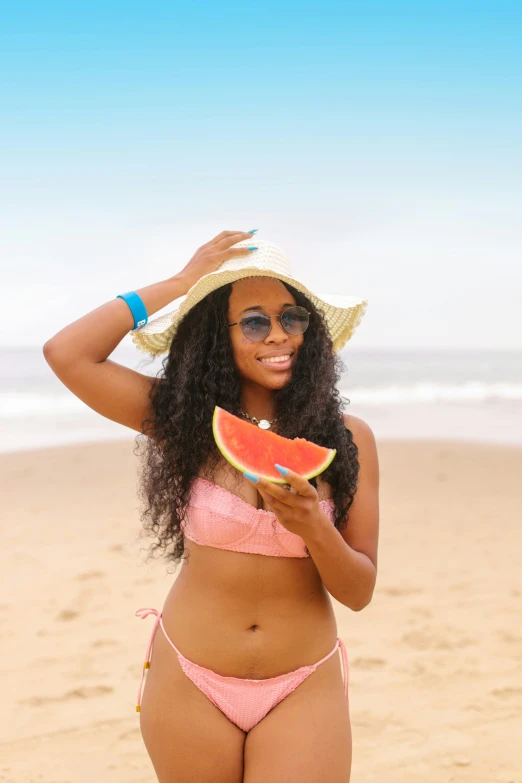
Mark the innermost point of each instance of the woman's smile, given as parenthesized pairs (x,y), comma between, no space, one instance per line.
(276,363)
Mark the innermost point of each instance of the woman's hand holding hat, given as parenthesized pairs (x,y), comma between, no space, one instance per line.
(210,256)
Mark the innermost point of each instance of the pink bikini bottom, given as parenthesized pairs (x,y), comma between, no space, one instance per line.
(244,701)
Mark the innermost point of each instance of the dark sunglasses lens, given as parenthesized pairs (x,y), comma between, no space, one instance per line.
(295,320)
(255,326)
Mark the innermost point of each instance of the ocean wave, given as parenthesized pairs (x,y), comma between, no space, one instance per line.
(16,404)
(471,391)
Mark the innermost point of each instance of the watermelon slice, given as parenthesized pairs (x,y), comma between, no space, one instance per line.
(247,447)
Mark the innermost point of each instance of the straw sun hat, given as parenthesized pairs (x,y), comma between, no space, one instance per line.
(342,313)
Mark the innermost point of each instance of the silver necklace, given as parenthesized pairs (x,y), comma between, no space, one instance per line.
(263,423)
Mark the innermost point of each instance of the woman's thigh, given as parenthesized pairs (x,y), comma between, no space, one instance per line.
(307,737)
(186,736)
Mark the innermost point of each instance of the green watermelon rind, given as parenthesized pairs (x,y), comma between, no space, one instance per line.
(275,479)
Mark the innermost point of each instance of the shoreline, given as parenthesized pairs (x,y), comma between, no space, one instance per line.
(391,441)
(464,422)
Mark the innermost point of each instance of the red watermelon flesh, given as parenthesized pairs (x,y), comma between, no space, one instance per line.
(247,447)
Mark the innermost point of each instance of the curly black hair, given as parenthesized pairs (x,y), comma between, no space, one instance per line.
(199,373)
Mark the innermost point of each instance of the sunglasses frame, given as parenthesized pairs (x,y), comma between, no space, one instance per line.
(275,315)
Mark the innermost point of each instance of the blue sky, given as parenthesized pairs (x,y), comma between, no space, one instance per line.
(377,143)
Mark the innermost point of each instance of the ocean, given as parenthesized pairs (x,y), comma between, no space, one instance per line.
(404,393)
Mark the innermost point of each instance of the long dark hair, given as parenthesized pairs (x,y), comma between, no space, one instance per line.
(199,373)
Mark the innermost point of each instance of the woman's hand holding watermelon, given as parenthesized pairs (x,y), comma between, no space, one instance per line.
(298,508)
(245,445)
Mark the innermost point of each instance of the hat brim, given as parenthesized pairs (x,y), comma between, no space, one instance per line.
(342,314)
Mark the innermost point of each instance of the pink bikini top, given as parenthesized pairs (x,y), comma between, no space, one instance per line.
(219,518)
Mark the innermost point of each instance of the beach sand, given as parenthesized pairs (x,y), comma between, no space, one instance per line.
(435,659)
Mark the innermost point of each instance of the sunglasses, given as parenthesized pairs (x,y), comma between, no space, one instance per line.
(257,326)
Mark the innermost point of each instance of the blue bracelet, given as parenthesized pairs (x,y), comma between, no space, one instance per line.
(137,308)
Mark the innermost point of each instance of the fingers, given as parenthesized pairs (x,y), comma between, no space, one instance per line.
(301,485)
(275,495)
(298,486)
(227,238)
(271,499)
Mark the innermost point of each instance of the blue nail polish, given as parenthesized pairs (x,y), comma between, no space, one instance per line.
(252,231)
(252,248)
(251,476)
(283,471)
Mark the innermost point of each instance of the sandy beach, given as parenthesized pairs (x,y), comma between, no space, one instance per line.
(435,659)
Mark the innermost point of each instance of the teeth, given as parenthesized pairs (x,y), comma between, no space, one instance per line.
(277,359)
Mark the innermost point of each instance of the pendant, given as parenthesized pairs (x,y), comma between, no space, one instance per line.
(264,424)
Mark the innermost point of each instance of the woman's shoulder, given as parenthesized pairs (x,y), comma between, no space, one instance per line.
(359,428)
(351,421)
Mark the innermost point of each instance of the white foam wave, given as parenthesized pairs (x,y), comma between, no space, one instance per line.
(471,391)
(17,404)
(28,403)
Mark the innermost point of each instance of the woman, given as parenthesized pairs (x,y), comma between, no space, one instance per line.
(244,683)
